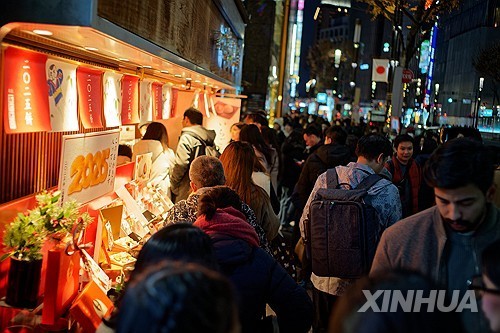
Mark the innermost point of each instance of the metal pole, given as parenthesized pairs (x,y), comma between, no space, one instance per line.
(394,55)
(282,63)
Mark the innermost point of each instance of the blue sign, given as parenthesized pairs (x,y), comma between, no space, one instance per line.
(321,97)
(486,113)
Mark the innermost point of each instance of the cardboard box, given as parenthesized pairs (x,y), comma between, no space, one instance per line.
(90,307)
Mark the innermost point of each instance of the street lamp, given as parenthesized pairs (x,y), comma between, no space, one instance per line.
(338,55)
(478,102)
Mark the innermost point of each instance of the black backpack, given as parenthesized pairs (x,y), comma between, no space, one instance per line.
(343,231)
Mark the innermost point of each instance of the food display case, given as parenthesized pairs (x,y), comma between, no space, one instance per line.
(79,77)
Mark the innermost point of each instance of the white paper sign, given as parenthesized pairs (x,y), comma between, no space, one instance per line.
(112,89)
(228,113)
(88,165)
(61,80)
(167,101)
(145,101)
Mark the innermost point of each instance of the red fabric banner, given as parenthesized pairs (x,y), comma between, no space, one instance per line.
(156,91)
(130,100)
(25,92)
(89,86)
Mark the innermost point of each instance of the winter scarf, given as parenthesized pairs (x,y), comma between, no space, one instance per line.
(231,222)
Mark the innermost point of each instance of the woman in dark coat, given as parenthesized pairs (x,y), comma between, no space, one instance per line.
(257,277)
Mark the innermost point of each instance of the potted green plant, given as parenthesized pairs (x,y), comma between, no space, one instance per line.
(59,219)
(25,237)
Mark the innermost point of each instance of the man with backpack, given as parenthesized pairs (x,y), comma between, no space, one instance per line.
(345,214)
(195,140)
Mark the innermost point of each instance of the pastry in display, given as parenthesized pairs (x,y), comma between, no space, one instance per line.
(122,259)
(124,244)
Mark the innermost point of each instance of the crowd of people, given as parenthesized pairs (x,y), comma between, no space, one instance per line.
(224,260)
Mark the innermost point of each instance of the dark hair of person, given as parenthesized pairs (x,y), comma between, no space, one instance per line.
(429,146)
(370,146)
(491,262)
(180,241)
(125,150)
(206,171)
(239,125)
(347,319)
(251,134)
(217,197)
(194,115)
(270,137)
(178,297)
(458,163)
(403,138)
(239,161)
(312,130)
(258,117)
(336,134)
(156,131)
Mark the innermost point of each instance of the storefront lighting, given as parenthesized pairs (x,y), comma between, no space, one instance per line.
(197,81)
(123,59)
(90,48)
(42,32)
(164,72)
(316,13)
(146,66)
(178,75)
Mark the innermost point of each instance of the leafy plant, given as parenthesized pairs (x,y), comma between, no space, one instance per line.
(58,219)
(25,236)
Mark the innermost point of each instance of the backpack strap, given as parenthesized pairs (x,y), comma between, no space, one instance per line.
(332,179)
(197,137)
(369,181)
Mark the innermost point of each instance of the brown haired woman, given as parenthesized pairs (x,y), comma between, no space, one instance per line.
(239,160)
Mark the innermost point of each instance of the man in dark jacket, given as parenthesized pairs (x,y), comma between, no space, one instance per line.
(333,153)
(312,138)
(292,154)
(192,142)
